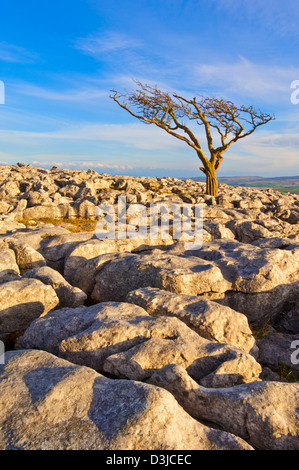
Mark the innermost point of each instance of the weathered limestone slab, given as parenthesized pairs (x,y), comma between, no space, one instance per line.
(50,404)
(263,413)
(122,339)
(23,301)
(68,295)
(209,319)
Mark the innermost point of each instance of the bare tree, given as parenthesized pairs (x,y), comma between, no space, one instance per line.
(169,111)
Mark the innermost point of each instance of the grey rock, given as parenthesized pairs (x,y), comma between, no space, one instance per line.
(76,267)
(209,319)
(262,307)
(179,274)
(279,349)
(265,414)
(50,404)
(55,249)
(269,276)
(9,270)
(68,295)
(124,340)
(22,301)
(26,256)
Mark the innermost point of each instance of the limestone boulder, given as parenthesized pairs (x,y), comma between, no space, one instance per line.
(9,270)
(288,215)
(9,225)
(211,365)
(82,252)
(278,349)
(49,210)
(289,319)
(50,404)
(38,197)
(261,308)
(268,275)
(251,269)
(83,208)
(55,249)
(68,295)
(248,231)
(5,207)
(26,256)
(218,230)
(265,414)
(125,341)
(209,319)
(34,235)
(249,203)
(21,302)
(86,271)
(179,274)
(76,260)
(9,189)
(222,270)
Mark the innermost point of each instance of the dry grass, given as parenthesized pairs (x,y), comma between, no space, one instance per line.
(73,225)
(262,331)
(287,374)
(49,235)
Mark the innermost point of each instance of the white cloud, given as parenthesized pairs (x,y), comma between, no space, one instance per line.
(247,79)
(108,42)
(95,164)
(44,163)
(12,53)
(136,135)
(290,140)
(270,14)
(265,154)
(80,94)
(67,161)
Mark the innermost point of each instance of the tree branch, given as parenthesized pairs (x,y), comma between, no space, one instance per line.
(168,111)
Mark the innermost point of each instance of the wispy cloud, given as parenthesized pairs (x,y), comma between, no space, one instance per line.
(80,94)
(282,141)
(265,154)
(270,14)
(108,42)
(245,78)
(122,52)
(135,135)
(66,160)
(12,53)
(96,164)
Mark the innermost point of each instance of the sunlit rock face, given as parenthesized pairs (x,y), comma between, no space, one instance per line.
(138,340)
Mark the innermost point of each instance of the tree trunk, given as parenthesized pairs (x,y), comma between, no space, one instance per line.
(211,182)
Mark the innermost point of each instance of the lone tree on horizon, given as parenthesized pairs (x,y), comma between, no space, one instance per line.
(169,111)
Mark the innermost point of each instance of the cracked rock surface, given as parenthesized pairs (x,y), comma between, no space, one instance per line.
(142,343)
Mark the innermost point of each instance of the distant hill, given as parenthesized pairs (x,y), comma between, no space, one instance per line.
(283,183)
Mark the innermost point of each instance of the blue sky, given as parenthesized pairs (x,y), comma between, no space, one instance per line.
(60,59)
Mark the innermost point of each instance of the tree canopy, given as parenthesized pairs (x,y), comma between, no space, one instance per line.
(224,122)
